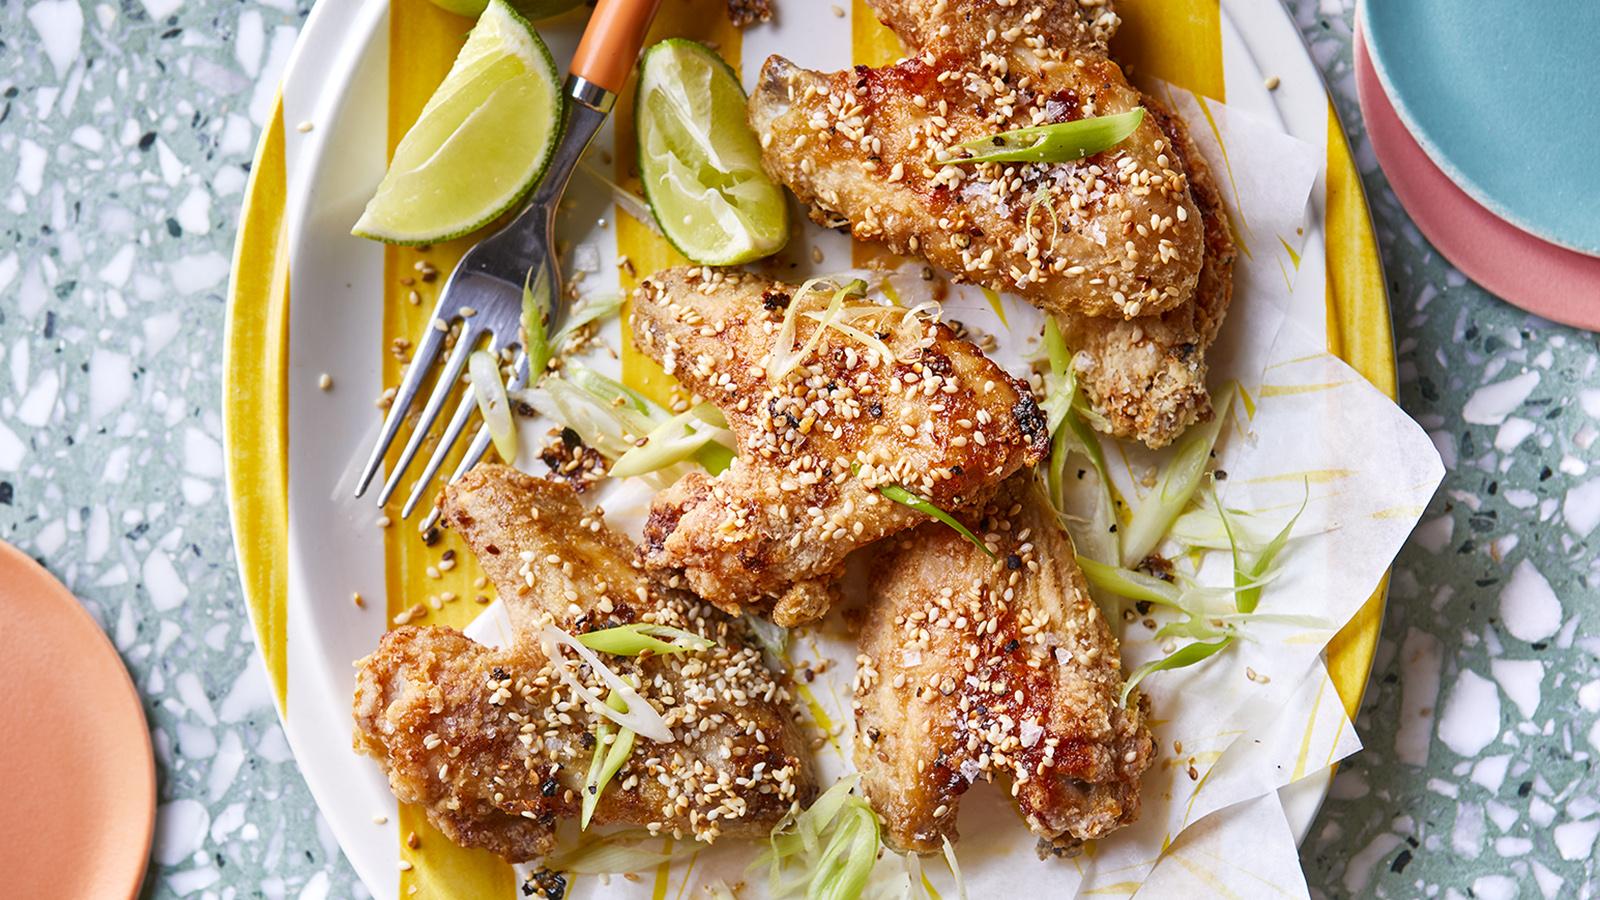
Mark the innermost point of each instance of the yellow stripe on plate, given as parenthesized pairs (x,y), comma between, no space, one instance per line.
(1175,40)
(255,418)
(423,41)
(1360,333)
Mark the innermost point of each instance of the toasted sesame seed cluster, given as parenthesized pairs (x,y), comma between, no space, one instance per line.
(971,671)
(815,444)
(496,746)
(1115,234)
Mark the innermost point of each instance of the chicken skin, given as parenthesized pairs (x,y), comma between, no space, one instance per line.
(1121,245)
(972,669)
(1114,234)
(1146,377)
(817,442)
(496,747)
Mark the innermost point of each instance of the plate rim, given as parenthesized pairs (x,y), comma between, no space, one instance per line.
(256,368)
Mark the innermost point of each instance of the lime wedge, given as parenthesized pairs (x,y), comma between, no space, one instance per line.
(699,162)
(481,142)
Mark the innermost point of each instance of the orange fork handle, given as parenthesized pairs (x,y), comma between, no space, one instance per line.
(610,44)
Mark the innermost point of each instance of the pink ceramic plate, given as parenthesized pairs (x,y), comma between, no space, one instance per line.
(1538,276)
(78,808)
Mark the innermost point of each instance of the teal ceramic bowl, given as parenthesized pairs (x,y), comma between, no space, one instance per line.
(1505,98)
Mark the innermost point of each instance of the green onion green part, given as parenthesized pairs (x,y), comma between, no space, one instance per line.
(826,852)
(1179,480)
(905,498)
(1058,143)
(1184,656)
(639,637)
(607,760)
(535,341)
(1130,584)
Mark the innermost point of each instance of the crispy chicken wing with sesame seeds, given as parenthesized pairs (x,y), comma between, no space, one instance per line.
(1129,248)
(976,670)
(1147,376)
(940,419)
(1114,234)
(497,749)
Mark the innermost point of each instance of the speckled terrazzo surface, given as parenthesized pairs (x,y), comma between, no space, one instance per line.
(126,132)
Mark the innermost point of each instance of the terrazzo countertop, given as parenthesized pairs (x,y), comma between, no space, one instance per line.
(126,134)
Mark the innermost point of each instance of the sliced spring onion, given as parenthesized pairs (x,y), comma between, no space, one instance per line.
(1184,656)
(490,393)
(773,638)
(640,716)
(669,443)
(1178,482)
(828,851)
(536,301)
(1042,197)
(905,498)
(594,309)
(1061,142)
(604,427)
(617,853)
(955,869)
(871,342)
(609,390)
(784,356)
(1248,580)
(607,760)
(634,639)
(1130,584)
(1095,535)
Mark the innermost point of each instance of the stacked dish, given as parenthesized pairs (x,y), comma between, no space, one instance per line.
(1473,128)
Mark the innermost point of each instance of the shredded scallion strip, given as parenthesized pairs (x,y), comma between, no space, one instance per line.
(1184,656)
(490,393)
(535,341)
(905,498)
(640,716)
(871,342)
(607,760)
(773,638)
(639,637)
(826,852)
(784,356)
(594,309)
(668,444)
(1178,482)
(1130,584)
(1057,143)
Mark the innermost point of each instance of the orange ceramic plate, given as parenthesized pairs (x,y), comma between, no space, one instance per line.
(78,809)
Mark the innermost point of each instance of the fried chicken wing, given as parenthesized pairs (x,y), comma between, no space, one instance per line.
(496,748)
(1115,234)
(939,419)
(1130,247)
(974,670)
(1147,376)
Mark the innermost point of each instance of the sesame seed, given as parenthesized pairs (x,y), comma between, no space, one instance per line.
(325,381)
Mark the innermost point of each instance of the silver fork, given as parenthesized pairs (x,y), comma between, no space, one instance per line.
(484,293)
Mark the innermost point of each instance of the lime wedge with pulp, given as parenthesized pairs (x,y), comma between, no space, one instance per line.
(699,162)
(481,142)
